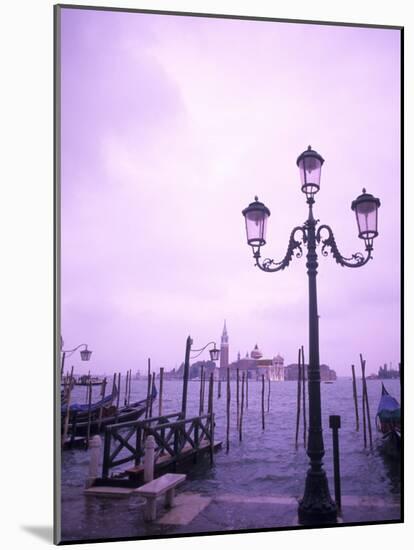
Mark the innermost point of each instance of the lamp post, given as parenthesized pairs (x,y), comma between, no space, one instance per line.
(84,353)
(316,506)
(214,355)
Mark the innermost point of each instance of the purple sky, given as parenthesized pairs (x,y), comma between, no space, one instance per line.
(170,126)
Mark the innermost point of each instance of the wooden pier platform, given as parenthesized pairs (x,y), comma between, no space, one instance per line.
(133,477)
(77,442)
(165,463)
(178,445)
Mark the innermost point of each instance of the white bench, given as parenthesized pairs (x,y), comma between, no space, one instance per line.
(165,484)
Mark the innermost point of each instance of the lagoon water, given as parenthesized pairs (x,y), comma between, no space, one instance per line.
(265,462)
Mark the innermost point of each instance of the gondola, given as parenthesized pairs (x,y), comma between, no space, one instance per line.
(82,410)
(102,414)
(388,421)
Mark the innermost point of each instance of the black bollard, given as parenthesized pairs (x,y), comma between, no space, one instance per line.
(335,424)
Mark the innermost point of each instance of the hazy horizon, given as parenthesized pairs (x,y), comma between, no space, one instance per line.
(170,126)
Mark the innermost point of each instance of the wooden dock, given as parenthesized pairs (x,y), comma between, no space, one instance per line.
(179,443)
(165,463)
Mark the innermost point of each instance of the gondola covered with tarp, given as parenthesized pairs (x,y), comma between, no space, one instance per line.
(91,419)
(389,422)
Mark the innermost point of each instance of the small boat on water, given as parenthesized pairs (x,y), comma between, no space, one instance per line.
(92,419)
(87,381)
(388,421)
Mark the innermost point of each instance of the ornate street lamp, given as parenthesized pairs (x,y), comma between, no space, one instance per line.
(366,211)
(310,165)
(85,353)
(256,215)
(214,355)
(316,505)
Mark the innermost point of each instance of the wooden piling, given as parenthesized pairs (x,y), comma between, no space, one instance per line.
(201,403)
(204,388)
(147,407)
(268,396)
(241,409)
(211,413)
(354,390)
(210,396)
(118,397)
(88,430)
(126,388)
(219,389)
(228,396)
(66,425)
(186,376)
(130,386)
(62,365)
(160,392)
(103,391)
(247,389)
(237,399)
(152,393)
(263,407)
(298,399)
(304,396)
(87,388)
(364,385)
(364,420)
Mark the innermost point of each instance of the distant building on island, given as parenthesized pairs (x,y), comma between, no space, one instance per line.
(385,373)
(224,348)
(327,374)
(195,371)
(253,364)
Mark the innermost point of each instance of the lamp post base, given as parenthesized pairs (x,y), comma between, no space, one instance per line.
(316,506)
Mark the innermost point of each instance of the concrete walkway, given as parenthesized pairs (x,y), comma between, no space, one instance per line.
(196,513)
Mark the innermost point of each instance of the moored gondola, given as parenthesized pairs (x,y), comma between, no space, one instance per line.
(389,423)
(92,419)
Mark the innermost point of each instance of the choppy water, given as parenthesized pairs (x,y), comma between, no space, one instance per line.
(266,462)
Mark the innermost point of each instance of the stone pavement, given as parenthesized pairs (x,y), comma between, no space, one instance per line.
(104,518)
(237,512)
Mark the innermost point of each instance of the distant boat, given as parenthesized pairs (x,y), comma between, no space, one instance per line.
(389,423)
(86,380)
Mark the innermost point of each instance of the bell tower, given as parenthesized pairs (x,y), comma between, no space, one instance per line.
(224,348)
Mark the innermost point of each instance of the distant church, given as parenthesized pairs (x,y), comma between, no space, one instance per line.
(253,365)
(224,348)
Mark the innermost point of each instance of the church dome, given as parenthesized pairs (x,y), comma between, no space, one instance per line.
(256,353)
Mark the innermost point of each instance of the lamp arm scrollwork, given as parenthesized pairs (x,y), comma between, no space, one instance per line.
(69,352)
(270,266)
(356,260)
(200,351)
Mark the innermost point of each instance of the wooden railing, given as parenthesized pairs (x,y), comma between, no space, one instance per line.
(173,436)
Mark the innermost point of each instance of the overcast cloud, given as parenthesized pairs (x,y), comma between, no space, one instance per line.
(170,126)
